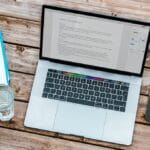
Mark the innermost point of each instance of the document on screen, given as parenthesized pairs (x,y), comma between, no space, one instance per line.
(94,41)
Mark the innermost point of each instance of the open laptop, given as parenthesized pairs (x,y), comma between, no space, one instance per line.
(88,77)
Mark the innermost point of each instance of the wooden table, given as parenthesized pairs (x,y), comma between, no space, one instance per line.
(20,23)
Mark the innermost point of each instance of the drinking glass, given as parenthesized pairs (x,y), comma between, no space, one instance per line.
(6,103)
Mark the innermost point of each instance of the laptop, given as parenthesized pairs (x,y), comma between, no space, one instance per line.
(88,76)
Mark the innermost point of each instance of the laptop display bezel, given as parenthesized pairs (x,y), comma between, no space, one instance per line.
(95,15)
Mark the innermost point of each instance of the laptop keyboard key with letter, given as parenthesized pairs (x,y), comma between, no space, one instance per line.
(86,90)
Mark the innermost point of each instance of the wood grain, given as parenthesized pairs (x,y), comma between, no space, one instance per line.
(142,106)
(20,31)
(145,89)
(21,58)
(147,62)
(31,9)
(21,85)
(15,140)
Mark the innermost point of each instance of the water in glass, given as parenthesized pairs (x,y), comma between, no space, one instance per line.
(6,103)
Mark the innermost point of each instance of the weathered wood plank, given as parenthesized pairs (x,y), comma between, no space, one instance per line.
(21,58)
(142,106)
(147,63)
(16,140)
(140,130)
(20,31)
(31,9)
(21,85)
(145,89)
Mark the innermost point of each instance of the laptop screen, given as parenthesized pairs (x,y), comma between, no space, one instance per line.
(94,41)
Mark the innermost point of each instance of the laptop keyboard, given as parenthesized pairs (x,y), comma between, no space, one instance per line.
(86,90)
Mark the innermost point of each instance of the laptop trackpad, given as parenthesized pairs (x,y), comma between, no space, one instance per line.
(80,120)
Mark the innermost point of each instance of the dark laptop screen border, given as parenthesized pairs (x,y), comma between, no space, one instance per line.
(95,15)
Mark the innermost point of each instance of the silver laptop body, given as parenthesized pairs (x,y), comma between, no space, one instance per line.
(89,47)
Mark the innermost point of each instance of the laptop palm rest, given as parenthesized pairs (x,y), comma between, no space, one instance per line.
(80,120)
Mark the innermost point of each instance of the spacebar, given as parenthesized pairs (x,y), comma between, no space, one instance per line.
(79,101)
